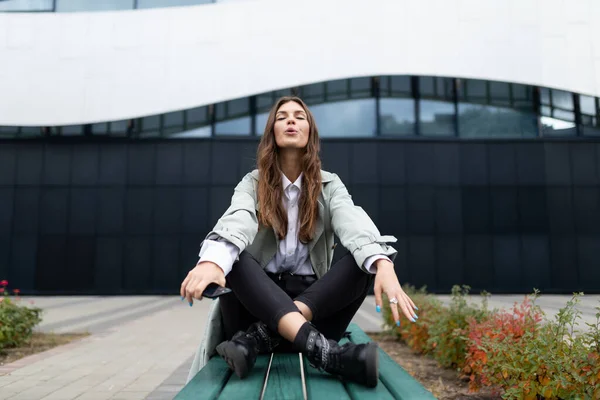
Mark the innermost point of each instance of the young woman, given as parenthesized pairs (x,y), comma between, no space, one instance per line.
(274,246)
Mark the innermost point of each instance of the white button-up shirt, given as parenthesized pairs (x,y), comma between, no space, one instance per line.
(292,255)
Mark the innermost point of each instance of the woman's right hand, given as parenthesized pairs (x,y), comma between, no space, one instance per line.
(199,278)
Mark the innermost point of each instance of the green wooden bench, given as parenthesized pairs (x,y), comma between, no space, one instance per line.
(289,376)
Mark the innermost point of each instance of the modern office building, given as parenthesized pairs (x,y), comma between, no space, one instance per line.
(467,129)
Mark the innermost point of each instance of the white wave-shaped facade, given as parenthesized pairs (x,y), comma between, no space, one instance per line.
(77,68)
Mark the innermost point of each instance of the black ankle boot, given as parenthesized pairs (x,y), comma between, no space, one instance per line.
(241,351)
(354,362)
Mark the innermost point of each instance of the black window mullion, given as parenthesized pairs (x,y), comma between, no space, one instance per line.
(213,118)
(577,111)
(185,121)
(537,108)
(161,125)
(416,95)
(375,88)
(597,101)
(455,99)
(252,115)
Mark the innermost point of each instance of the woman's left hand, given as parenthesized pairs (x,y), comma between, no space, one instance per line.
(386,282)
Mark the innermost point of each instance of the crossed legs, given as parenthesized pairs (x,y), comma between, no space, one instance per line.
(330,303)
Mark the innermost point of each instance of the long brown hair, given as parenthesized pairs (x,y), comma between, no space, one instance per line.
(270,189)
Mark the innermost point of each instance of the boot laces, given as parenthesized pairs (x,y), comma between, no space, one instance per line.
(266,338)
(335,355)
(325,350)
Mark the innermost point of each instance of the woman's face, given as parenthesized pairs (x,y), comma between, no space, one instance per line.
(291,126)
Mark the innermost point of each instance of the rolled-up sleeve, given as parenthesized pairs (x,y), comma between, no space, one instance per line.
(355,229)
(370,266)
(220,252)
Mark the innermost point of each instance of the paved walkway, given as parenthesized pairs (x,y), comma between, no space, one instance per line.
(142,347)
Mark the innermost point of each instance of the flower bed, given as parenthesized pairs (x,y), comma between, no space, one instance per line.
(515,351)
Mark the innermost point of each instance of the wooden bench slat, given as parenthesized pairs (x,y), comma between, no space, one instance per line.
(321,385)
(379,392)
(399,382)
(208,382)
(250,387)
(356,391)
(285,381)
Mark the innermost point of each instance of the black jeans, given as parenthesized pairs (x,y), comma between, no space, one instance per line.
(334,299)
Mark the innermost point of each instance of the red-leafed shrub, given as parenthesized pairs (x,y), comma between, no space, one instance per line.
(500,326)
(548,361)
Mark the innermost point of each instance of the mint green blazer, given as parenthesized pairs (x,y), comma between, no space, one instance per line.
(338,215)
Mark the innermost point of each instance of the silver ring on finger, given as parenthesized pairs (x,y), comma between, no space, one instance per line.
(393,300)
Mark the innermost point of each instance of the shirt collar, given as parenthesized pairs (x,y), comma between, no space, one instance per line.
(286,182)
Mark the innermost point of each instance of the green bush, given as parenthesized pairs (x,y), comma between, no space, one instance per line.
(415,334)
(16,321)
(448,335)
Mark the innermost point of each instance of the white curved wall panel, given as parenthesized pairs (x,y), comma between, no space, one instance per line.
(60,69)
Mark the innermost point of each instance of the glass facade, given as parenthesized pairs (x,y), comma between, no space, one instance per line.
(378,106)
(91,5)
(397,117)
(233,127)
(558,112)
(396,105)
(350,118)
(496,109)
(169,3)
(590,114)
(27,5)
(86,5)
(436,106)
